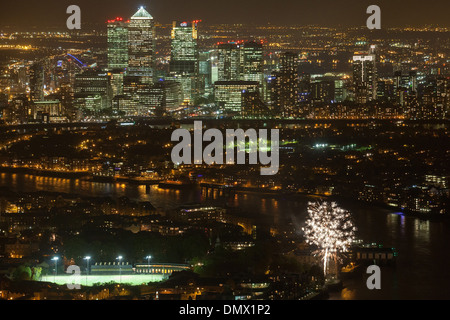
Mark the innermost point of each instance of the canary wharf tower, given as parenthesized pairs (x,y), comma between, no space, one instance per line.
(141,45)
(138,79)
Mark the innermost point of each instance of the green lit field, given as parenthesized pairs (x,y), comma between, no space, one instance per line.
(135,279)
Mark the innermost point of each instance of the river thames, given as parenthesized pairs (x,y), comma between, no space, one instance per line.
(422,270)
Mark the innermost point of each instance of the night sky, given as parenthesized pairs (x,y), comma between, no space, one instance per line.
(28,13)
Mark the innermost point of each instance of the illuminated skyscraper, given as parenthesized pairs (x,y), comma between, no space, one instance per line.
(184,49)
(173,94)
(92,91)
(229,62)
(184,60)
(138,80)
(435,103)
(241,61)
(365,76)
(253,106)
(117,44)
(141,45)
(205,71)
(229,95)
(3,106)
(37,82)
(285,86)
(117,76)
(241,65)
(252,62)
(405,86)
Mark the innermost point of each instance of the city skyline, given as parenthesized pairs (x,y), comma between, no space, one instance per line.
(257,73)
(136,161)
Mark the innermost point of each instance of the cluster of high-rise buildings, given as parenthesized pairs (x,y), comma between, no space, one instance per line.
(130,84)
(239,78)
(235,70)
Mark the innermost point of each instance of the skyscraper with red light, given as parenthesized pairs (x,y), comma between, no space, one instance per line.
(117,44)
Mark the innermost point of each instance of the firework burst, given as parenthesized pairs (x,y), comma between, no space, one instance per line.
(330,228)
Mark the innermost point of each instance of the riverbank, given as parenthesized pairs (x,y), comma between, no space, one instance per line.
(263,193)
(276,194)
(85,175)
(45,173)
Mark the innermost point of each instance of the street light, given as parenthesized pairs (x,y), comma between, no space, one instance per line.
(56,267)
(87,266)
(120,269)
(148,262)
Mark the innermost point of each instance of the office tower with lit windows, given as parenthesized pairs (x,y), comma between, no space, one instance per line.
(407,80)
(253,106)
(252,64)
(405,84)
(174,94)
(138,79)
(241,61)
(117,53)
(305,88)
(184,47)
(157,100)
(435,98)
(47,111)
(205,71)
(141,45)
(22,77)
(285,86)
(92,91)
(228,95)
(326,88)
(3,106)
(117,31)
(229,62)
(184,58)
(36,73)
(386,90)
(239,65)
(323,90)
(19,110)
(443,91)
(365,76)
(117,76)
(136,96)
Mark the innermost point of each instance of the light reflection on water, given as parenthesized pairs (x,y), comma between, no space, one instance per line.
(422,269)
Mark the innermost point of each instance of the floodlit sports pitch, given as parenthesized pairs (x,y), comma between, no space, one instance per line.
(90,280)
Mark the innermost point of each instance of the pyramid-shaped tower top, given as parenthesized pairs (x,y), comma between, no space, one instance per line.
(142,14)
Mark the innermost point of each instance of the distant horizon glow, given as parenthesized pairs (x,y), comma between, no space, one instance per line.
(326,13)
